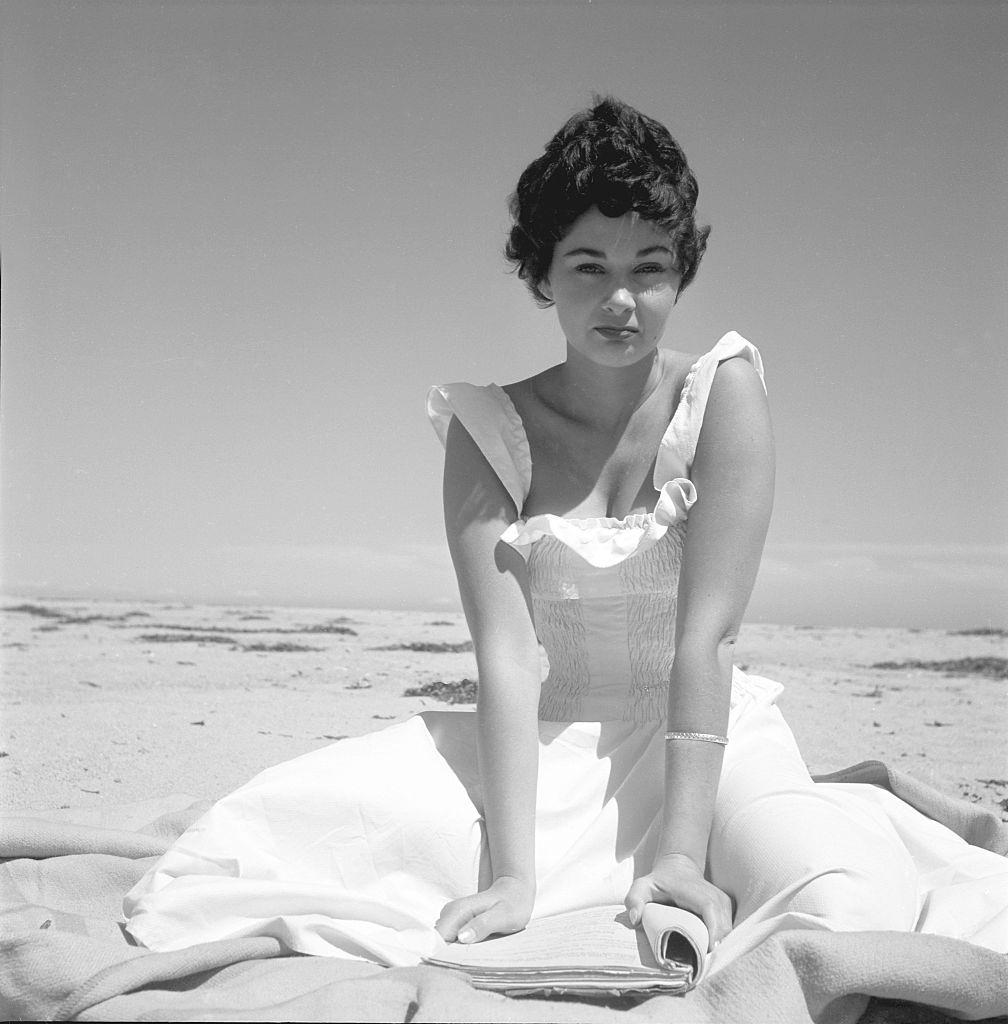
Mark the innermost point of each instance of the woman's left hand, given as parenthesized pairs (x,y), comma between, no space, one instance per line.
(675,879)
(501,909)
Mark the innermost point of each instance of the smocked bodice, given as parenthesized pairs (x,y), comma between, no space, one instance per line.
(608,632)
(603,590)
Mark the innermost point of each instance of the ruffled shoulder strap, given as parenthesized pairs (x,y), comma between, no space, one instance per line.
(678,446)
(492,421)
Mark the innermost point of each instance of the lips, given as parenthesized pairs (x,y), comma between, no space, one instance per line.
(617,333)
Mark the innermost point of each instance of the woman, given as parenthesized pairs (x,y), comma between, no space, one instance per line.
(613,508)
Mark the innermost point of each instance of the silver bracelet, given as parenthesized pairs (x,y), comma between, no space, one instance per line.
(704,737)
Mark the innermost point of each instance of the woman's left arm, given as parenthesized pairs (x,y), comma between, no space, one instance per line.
(733,471)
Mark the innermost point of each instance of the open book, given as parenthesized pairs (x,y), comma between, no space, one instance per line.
(589,952)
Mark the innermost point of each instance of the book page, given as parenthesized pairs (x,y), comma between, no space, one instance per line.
(678,938)
(597,936)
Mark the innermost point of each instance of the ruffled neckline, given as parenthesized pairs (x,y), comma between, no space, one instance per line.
(633,520)
(605,541)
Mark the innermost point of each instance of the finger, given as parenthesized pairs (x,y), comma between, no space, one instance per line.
(714,908)
(641,892)
(456,914)
(725,919)
(498,920)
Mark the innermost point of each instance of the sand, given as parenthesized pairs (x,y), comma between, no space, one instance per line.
(118,702)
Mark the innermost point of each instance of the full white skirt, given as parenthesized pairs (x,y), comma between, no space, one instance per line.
(352,850)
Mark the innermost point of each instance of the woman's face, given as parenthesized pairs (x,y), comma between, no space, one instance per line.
(614,283)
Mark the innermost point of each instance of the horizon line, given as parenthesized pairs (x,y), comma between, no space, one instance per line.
(250,601)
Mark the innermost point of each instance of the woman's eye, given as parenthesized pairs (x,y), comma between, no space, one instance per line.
(589,268)
(651,268)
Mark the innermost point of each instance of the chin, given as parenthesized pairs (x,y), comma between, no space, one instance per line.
(624,354)
(615,353)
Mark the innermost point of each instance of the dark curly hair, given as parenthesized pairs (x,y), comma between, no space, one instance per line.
(618,159)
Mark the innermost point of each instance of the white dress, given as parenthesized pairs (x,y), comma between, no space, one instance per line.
(352,850)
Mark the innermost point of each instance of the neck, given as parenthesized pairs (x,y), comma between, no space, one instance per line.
(606,396)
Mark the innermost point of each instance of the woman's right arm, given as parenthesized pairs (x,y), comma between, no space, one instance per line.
(493,585)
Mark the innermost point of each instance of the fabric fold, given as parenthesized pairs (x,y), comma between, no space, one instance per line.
(491,420)
(678,445)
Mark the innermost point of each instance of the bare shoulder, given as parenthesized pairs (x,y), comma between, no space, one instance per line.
(472,490)
(737,413)
(736,380)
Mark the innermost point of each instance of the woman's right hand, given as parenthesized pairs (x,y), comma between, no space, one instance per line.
(675,879)
(501,909)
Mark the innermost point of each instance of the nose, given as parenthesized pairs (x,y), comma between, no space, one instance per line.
(620,301)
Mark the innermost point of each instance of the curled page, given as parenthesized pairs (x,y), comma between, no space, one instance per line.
(679,940)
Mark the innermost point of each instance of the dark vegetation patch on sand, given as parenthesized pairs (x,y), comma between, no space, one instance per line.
(979,631)
(324,627)
(997,785)
(993,667)
(428,647)
(282,647)
(54,618)
(461,692)
(187,638)
(59,618)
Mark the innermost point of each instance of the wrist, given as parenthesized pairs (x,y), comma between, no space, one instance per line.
(513,880)
(679,857)
(688,841)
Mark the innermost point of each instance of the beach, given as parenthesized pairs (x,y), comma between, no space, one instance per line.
(116,702)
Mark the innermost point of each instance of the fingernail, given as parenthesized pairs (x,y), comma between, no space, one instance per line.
(634,918)
(466,935)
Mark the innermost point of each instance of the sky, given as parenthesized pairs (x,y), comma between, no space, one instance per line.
(241,240)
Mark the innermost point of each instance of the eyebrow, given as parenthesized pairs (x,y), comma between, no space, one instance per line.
(598,254)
